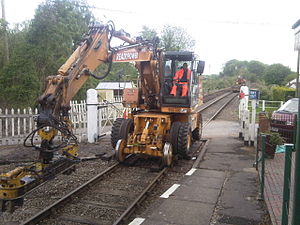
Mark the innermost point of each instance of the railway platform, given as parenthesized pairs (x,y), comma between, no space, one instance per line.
(221,190)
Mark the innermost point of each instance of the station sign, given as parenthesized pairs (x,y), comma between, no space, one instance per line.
(254,94)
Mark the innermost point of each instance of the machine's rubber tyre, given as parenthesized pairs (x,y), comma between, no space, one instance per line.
(120,155)
(197,133)
(167,155)
(115,131)
(184,139)
(173,136)
(126,128)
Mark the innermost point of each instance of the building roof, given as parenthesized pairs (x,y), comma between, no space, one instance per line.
(292,84)
(114,85)
(296,24)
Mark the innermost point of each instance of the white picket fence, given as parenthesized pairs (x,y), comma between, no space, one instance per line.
(16,124)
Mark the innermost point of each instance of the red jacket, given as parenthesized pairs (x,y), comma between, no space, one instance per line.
(179,74)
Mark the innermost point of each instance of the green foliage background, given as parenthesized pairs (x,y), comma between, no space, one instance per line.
(269,79)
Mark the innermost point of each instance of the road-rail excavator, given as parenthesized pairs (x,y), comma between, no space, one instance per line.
(159,124)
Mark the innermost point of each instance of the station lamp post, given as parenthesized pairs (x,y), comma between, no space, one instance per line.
(296,202)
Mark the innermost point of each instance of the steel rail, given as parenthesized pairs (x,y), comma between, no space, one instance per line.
(209,103)
(47,211)
(219,110)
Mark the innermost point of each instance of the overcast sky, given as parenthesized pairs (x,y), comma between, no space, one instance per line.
(223,29)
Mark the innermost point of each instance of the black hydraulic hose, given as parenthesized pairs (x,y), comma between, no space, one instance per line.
(60,127)
(105,74)
(111,30)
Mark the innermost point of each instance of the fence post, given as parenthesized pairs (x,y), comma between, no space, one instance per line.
(100,110)
(263,105)
(246,127)
(286,184)
(92,105)
(253,120)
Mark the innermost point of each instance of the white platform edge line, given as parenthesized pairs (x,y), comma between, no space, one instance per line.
(190,172)
(137,221)
(170,191)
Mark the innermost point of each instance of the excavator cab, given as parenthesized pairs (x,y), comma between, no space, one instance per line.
(173,97)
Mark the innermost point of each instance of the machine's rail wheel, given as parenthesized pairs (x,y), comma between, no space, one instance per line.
(126,128)
(184,139)
(197,133)
(115,131)
(120,155)
(167,155)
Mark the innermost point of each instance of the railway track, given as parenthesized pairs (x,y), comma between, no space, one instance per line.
(103,199)
(112,195)
(211,109)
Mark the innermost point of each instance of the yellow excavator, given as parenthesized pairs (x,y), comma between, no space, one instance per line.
(159,124)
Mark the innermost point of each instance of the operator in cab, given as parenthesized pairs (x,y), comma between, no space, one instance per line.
(180,81)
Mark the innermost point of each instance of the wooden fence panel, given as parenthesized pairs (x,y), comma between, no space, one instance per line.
(16,124)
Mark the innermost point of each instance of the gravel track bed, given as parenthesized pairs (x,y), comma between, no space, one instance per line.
(210,111)
(230,112)
(54,189)
(215,94)
(107,199)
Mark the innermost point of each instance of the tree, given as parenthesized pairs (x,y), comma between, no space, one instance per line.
(276,74)
(2,50)
(175,38)
(40,48)
(234,68)
(148,33)
(257,68)
(172,38)
(56,27)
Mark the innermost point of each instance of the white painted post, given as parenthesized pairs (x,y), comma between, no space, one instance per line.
(246,127)
(12,112)
(253,118)
(24,122)
(100,121)
(263,105)
(18,123)
(6,123)
(92,105)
